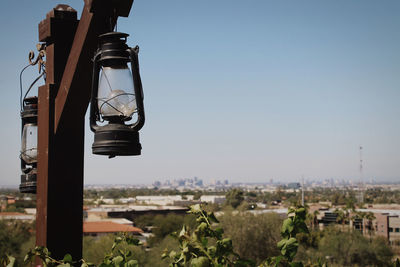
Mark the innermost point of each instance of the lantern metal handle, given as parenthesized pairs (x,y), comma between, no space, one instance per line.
(137,84)
(94,111)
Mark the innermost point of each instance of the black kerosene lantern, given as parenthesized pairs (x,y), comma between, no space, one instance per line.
(117,97)
(29,136)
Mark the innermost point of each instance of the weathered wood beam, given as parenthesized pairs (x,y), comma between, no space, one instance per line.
(62,105)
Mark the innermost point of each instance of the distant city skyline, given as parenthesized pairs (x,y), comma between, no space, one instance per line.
(175,183)
(239,91)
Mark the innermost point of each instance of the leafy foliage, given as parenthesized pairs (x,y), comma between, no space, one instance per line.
(13,236)
(121,257)
(291,227)
(205,246)
(7,261)
(117,257)
(43,255)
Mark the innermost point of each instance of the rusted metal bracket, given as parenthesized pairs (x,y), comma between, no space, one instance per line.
(41,48)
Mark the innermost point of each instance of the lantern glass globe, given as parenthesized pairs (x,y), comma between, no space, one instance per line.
(116,96)
(29,143)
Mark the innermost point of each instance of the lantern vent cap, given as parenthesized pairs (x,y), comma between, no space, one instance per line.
(113,36)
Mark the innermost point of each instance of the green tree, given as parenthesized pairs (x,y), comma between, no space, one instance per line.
(13,235)
(343,216)
(167,224)
(313,219)
(369,216)
(253,236)
(344,248)
(234,197)
(197,195)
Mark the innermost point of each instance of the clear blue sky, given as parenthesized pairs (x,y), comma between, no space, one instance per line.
(241,90)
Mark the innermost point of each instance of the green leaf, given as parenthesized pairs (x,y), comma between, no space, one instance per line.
(195,209)
(48,261)
(117,260)
(287,226)
(302,227)
(292,242)
(218,232)
(202,227)
(224,247)
(281,243)
(164,254)
(212,250)
(185,249)
(121,252)
(227,242)
(11,261)
(291,211)
(291,248)
(182,232)
(278,260)
(67,258)
(128,254)
(204,242)
(301,210)
(133,263)
(172,254)
(132,241)
(212,217)
(283,250)
(28,257)
(200,262)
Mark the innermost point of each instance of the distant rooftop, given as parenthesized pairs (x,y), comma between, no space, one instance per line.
(16,216)
(120,208)
(6,213)
(109,227)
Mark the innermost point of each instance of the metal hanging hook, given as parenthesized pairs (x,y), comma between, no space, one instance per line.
(41,48)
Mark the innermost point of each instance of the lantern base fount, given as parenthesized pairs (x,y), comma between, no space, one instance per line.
(116,140)
(28,183)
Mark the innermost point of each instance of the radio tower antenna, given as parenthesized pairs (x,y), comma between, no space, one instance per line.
(361,199)
(302,191)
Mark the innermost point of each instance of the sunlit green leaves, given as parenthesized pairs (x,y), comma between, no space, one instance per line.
(194,245)
(200,262)
(294,224)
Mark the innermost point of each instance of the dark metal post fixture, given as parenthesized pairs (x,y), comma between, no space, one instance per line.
(117,97)
(28,154)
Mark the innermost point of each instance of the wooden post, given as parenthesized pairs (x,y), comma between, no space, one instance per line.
(63,101)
